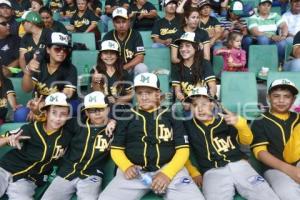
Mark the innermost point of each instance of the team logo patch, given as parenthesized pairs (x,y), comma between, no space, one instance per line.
(256,179)
(140,48)
(183,181)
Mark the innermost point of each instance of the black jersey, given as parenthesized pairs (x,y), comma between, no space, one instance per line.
(82,23)
(20,7)
(9,49)
(165,29)
(6,87)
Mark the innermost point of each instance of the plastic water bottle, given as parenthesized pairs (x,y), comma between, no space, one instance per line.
(145,178)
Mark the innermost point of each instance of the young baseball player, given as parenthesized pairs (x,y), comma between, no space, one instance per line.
(149,142)
(274,134)
(80,171)
(216,144)
(23,169)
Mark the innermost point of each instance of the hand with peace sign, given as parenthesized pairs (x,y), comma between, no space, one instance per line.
(34,106)
(14,139)
(229,117)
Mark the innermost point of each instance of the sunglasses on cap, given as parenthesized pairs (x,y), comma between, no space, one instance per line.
(4,23)
(58,49)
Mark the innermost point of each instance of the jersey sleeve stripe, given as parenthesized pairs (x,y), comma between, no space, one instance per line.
(10,92)
(259,144)
(154,35)
(182,146)
(116,147)
(70,86)
(140,53)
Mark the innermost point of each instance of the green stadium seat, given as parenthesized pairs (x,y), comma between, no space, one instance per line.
(239,93)
(217,65)
(146,35)
(161,14)
(157,59)
(110,25)
(288,51)
(276,9)
(86,38)
(292,76)
(22,96)
(84,61)
(262,56)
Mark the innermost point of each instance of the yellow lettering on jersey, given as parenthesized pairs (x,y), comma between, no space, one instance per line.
(58,152)
(144,11)
(113,90)
(222,145)
(3,103)
(165,134)
(101,143)
(30,48)
(165,31)
(186,87)
(129,54)
(44,90)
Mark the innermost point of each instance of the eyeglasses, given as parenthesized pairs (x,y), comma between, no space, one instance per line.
(95,110)
(4,23)
(58,49)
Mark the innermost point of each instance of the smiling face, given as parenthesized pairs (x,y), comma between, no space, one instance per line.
(147,98)
(57,53)
(187,50)
(281,100)
(109,57)
(56,117)
(202,108)
(47,19)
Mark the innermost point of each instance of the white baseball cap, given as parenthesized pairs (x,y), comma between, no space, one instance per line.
(61,39)
(166,2)
(197,91)
(120,12)
(263,1)
(109,45)
(283,83)
(187,36)
(146,80)
(56,99)
(5,2)
(95,100)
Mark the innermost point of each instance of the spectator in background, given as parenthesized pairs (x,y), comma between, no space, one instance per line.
(110,6)
(210,24)
(7,12)
(265,26)
(49,23)
(185,5)
(55,5)
(164,29)
(234,56)
(292,19)
(9,48)
(95,6)
(19,7)
(129,40)
(68,9)
(294,65)
(143,15)
(35,39)
(84,20)
(191,24)
(36,5)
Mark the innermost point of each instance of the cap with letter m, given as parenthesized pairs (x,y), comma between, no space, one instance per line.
(120,12)
(95,100)
(283,83)
(146,80)
(196,92)
(56,99)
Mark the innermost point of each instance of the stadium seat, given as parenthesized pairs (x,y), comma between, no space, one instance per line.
(110,25)
(262,56)
(84,61)
(217,65)
(276,9)
(157,59)
(288,51)
(22,96)
(292,76)
(239,93)
(146,35)
(86,38)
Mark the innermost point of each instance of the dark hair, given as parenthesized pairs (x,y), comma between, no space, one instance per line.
(232,36)
(197,69)
(94,4)
(187,13)
(39,2)
(67,62)
(101,68)
(46,10)
(2,77)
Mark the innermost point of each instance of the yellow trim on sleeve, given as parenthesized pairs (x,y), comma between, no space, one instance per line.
(193,171)
(244,132)
(258,149)
(120,159)
(291,152)
(177,163)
